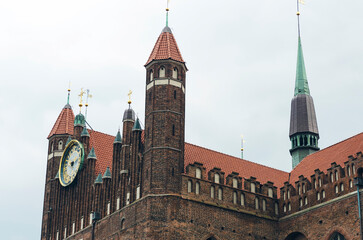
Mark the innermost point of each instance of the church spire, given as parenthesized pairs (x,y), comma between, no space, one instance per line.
(304,133)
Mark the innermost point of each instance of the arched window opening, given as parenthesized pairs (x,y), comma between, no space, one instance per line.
(306,201)
(305,140)
(197,188)
(122,224)
(315,184)
(220,194)
(212,238)
(253,187)
(190,186)
(350,183)
(336,176)
(341,187)
(304,188)
(284,207)
(318,196)
(284,194)
(151,75)
(175,73)
(60,145)
(337,236)
(212,190)
(353,169)
(235,183)
(288,194)
(162,72)
(336,189)
(300,202)
(331,177)
(216,178)
(234,198)
(296,236)
(319,182)
(256,203)
(263,204)
(242,199)
(289,206)
(299,189)
(173,130)
(348,170)
(323,194)
(270,192)
(198,173)
(276,209)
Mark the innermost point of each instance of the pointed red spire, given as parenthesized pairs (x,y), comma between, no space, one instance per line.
(165,48)
(64,123)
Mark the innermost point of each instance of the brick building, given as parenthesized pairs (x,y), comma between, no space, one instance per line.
(150,184)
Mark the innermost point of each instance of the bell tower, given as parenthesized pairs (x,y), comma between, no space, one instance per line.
(304,133)
(164,117)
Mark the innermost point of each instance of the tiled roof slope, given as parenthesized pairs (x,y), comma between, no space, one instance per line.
(103,144)
(228,164)
(165,48)
(322,159)
(64,123)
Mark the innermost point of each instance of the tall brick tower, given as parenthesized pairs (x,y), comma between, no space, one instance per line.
(164,117)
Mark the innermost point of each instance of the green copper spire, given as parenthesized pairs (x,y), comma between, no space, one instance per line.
(91,154)
(79,120)
(98,179)
(107,173)
(118,137)
(301,82)
(137,125)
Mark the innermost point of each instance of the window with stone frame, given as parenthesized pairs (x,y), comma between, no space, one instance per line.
(162,72)
(212,192)
(197,188)
(198,173)
(190,186)
(220,194)
(217,178)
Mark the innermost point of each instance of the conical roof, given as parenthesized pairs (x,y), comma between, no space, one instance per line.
(107,173)
(92,154)
(137,125)
(98,179)
(118,138)
(84,132)
(165,48)
(301,82)
(64,123)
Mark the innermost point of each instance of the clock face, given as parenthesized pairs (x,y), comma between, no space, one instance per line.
(71,162)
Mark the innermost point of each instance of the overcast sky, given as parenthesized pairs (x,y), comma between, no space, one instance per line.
(241,57)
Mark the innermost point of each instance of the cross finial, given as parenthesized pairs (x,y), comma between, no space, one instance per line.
(129,94)
(81,101)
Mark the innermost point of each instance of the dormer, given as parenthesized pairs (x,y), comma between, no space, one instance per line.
(252,185)
(216,175)
(234,180)
(196,170)
(302,185)
(269,189)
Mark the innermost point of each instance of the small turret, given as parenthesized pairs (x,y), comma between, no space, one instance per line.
(107,173)
(118,138)
(99,179)
(92,154)
(137,125)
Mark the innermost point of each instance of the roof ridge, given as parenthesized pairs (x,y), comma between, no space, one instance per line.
(237,158)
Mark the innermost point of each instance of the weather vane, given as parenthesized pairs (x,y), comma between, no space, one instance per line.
(88,96)
(129,94)
(81,101)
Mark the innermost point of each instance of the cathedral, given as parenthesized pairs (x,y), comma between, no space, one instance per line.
(151,184)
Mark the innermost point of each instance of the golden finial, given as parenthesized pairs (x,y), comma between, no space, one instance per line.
(129,94)
(69,91)
(81,102)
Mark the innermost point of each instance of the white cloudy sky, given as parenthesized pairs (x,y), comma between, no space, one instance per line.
(241,56)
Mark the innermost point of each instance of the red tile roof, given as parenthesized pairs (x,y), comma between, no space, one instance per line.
(64,123)
(103,144)
(228,164)
(322,159)
(165,48)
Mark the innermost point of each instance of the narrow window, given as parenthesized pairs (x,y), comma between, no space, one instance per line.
(263,204)
(212,191)
(341,187)
(73,227)
(242,199)
(276,208)
(323,194)
(118,203)
(319,182)
(189,186)
(318,196)
(173,130)
(122,225)
(315,184)
(256,203)
(90,218)
(350,183)
(288,194)
(216,178)
(175,73)
(304,188)
(270,193)
(198,173)
(197,188)
(300,202)
(65,232)
(284,208)
(253,187)
(52,147)
(234,183)
(174,94)
(331,177)
(284,193)
(162,72)
(234,198)
(108,208)
(151,76)
(127,198)
(299,189)
(336,189)
(57,236)
(138,192)
(336,176)
(81,223)
(353,169)
(60,145)
(172,172)
(306,200)
(348,170)
(220,193)
(289,206)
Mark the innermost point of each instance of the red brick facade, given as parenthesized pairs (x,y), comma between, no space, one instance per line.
(163,188)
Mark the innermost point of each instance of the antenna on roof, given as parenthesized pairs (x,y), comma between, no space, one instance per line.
(88,96)
(242,141)
(298,14)
(167,12)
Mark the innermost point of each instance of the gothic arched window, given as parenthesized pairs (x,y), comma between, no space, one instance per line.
(162,72)
(151,75)
(198,173)
(175,73)
(337,236)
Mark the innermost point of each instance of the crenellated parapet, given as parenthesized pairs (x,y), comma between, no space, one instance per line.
(322,187)
(232,191)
